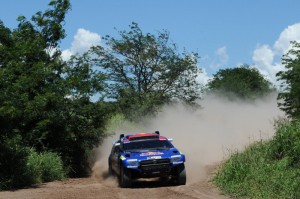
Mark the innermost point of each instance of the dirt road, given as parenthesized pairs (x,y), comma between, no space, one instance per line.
(107,188)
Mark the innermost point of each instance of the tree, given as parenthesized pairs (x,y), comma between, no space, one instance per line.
(144,71)
(31,80)
(45,102)
(31,89)
(243,82)
(289,97)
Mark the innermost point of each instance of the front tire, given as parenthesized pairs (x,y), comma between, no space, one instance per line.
(125,180)
(180,178)
(110,170)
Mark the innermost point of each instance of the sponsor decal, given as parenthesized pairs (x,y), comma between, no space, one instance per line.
(132,166)
(178,162)
(151,153)
(153,157)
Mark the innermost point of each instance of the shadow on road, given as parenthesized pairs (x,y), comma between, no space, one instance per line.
(151,183)
(143,182)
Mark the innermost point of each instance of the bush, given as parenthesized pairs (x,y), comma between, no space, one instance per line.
(45,166)
(235,176)
(21,166)
(13,159)
(286,143)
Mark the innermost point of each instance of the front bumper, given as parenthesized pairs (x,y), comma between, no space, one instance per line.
(154,168)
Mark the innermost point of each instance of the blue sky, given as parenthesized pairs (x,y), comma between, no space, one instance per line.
(224,33)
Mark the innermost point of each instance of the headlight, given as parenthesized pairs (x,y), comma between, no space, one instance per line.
(175,158)
(132,163)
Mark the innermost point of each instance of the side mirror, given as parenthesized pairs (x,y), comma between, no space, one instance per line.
(121,136)
(170,140)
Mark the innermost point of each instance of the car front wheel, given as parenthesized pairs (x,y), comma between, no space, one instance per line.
(110,170)
(125,178)
(180,178)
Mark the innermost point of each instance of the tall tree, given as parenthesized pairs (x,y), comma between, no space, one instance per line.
(45,102)
(31,78)
(243,82)
(145,71)
(289,97)
(31,89)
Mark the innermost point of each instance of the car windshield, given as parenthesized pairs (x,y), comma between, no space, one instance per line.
(146,145)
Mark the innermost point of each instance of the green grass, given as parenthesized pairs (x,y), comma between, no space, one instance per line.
(265,169)
(45,167)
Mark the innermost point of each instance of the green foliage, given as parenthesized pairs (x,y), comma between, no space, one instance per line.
(265,169)
(82,78)
(242,82)
(45,102)
(21,166)
(144,71)
(118,123)
(84,130)
(31,82)
(289,96)
(13,160)
(44,167)
(286,143)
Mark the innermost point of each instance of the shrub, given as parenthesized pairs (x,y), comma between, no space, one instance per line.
(13,159)
(45,166)
(286,142)
(236,175)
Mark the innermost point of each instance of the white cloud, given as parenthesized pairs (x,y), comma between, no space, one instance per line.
(83,40)
(203,77)
(222,58)
(221,52)
(66,54)
(291,33)
(264,56)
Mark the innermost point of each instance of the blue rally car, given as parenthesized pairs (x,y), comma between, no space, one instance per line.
(146,155)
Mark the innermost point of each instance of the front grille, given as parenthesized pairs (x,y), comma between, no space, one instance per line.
(155,161)
(155,165)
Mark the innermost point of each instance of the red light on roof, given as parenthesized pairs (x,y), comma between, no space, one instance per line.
(162,138)
(141,136)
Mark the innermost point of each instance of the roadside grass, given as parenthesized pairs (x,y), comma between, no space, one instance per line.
(44,167)
(266,169)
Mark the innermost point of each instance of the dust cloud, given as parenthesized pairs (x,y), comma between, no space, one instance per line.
(207,135)
(100,163)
